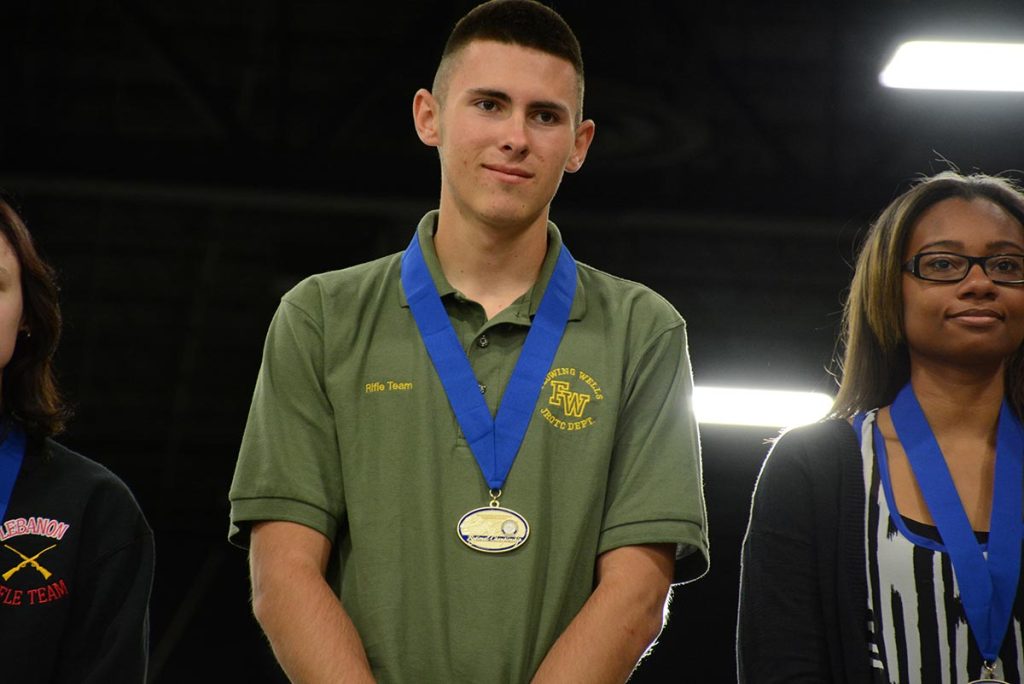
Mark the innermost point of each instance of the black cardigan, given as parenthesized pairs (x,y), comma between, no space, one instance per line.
(803,585)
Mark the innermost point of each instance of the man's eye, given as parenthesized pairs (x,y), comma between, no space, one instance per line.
(547,117)
(487,105)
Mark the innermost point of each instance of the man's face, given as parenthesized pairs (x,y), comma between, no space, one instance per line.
(505,132)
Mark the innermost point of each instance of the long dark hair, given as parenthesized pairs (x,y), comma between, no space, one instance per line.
(875,362)
(30,393)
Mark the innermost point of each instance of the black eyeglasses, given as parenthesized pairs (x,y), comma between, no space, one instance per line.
(947,267)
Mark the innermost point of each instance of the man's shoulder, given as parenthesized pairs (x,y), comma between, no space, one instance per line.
(316,291)
(619,295)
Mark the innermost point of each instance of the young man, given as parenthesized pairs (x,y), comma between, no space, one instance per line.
(486,451)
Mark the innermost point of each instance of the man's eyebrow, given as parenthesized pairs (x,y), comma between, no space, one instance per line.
(502,96)
(545,104)
(493,94)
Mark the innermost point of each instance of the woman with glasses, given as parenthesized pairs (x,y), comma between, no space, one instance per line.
(884,543)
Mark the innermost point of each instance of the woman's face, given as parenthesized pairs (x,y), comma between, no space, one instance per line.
(974,322)
(10,300)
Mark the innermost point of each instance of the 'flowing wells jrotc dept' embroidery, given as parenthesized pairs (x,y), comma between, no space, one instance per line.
(25,579)
(568,397)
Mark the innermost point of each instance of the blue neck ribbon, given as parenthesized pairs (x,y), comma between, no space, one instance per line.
(494,442)
(12,452)
(987,586)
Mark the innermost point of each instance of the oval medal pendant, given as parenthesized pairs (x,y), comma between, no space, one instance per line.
(493,529)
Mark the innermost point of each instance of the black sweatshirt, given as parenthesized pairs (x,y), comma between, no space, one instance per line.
(76,572)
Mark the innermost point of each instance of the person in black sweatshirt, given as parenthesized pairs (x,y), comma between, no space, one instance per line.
(76,551)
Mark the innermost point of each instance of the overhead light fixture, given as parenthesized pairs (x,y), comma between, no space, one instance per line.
(953,65)
(753,407)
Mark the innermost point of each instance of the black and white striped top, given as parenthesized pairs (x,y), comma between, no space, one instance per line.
(916,624)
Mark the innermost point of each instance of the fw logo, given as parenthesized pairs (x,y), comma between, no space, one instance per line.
(572,403)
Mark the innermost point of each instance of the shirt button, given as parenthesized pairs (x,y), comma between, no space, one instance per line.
(483,388)
(482,342)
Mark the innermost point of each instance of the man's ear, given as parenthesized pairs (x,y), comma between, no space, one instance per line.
(426,115)
(584,136)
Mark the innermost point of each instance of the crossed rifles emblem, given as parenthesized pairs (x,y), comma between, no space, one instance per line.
(28,561)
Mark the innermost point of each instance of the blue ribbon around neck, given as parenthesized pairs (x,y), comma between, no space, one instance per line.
(12,452)
(494,442)
(987,586)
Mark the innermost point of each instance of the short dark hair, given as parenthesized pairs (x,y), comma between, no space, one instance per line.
(31,395)
(527,23)
(875,362)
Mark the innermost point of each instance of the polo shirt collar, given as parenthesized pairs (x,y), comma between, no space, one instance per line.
(528,302)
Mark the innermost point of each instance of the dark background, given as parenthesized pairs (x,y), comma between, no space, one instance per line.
(183,163)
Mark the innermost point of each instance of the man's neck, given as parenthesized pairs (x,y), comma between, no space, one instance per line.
(491,265)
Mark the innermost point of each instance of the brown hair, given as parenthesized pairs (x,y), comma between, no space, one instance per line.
(875,364)
(527,23)
(30,392)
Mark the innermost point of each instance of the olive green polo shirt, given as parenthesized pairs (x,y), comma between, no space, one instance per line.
(351,434)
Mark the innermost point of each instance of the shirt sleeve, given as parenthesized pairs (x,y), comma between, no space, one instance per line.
(656,491)
(288,465)
(781,630)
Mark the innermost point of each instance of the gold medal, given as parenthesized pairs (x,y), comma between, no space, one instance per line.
(493,528)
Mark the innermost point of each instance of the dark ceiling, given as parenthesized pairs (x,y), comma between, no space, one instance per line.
(725,107)
(183,163)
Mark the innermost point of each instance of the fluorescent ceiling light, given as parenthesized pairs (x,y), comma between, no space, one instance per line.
(766,408)
(940,65)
